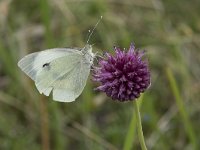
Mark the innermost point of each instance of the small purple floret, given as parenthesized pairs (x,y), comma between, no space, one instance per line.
(123,76)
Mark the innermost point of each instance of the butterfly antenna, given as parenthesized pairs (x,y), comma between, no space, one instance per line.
(91,32)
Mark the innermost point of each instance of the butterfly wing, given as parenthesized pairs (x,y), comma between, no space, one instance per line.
(33,63)
(72,83)
(63,71)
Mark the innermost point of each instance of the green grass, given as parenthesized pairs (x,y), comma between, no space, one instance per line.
(182,109)
(168,30)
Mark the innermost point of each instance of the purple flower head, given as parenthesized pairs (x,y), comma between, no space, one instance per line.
(123,76)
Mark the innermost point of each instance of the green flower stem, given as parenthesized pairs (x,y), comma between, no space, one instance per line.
(130,136)
(139,125)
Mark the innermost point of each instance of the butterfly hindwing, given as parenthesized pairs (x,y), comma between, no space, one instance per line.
(57,75)
(73,84)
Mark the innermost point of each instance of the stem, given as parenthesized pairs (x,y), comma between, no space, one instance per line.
(44,124)
(128,143)
(139,125)
(45,12)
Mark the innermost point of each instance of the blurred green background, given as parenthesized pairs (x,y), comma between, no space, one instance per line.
(169,31)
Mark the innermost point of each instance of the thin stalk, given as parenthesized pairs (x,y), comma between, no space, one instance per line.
(44,124)
(45,18)
(128,143)
(139,125)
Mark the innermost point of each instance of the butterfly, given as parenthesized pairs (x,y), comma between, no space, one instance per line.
(62,71)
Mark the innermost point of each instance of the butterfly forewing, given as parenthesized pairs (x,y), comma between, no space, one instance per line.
(33,63)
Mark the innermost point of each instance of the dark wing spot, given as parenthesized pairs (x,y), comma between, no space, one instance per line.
(45,65)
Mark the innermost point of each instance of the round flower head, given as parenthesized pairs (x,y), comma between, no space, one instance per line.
(123,76)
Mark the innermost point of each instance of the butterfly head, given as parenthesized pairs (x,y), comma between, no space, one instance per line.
(87,49)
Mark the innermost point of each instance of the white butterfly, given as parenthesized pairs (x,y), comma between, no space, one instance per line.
(64,71)
(61,70)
